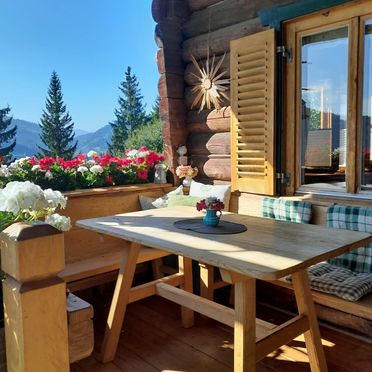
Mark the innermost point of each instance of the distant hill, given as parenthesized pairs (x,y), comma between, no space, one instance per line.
(28,138)
(96,141)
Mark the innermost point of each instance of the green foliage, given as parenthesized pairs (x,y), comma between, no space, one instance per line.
(155,112)
(6,135)
(130,114)
(314,119)
(149,135)
(57,128)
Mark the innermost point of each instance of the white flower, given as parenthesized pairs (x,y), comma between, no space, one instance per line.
(90,162)
(92,153)
(132,153)
(18,163)
(61,223)
(49,175)
(4,171)
(55,199)
(19,196)
(82,169)
(35,168)
(96,169)
(142,154)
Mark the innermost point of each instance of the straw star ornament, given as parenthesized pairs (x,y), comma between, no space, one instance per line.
(210,87)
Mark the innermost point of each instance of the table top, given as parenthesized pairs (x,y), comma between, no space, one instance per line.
(269,249)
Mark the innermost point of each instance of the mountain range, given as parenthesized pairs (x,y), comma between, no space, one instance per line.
(28,139)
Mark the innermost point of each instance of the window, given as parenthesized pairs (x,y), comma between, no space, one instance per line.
(328,101)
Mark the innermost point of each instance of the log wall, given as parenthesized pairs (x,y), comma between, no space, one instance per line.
(213,25)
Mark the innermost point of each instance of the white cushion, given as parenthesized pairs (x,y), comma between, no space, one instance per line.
(162,202)
(146,202)
(221,192)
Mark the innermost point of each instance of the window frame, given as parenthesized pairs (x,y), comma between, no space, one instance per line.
(352,16)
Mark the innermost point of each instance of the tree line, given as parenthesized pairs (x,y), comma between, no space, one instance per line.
(131,128)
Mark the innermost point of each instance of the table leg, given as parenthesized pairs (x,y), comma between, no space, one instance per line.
(306,306)
(119,302)
(245,326)
(185,267)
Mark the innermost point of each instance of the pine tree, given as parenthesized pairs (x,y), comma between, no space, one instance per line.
(131,113)
(7,135)
(155,112)
(57,128)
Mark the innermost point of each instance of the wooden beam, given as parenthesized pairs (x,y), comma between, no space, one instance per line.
(218,42)
(281,335)
(200,4)
(207,121)
(208,143)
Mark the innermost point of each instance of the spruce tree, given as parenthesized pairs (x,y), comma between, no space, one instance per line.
(7,135)
(130,114)
(155,112)
(57,128)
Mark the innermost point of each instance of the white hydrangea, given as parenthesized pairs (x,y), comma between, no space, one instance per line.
(55,199)
(82,169)
(132,153)
(4,171)
(92,153)
(35,168)
(61,223)
(96,169)
(90,162)
(19,196)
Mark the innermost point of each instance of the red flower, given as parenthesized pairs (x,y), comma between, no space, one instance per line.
(46,163)
(210,203)
(105,160)
(143,149)
(32,161)
(109,180)
(142,174)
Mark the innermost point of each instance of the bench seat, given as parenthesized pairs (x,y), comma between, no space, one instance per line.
(361,308)
(93,269)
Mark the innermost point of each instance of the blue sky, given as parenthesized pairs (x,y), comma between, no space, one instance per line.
(89,43)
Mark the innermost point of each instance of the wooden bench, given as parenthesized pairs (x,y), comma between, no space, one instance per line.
(251,205)
(91,259)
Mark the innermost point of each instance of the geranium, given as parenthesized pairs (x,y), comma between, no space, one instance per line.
(210,203)
(82,172)
(25,201)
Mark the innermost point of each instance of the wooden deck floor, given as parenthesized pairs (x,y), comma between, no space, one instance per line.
(153,340)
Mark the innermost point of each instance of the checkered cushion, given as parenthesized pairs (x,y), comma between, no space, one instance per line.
(357,219)
(267,207)
(339,281)
(286,210)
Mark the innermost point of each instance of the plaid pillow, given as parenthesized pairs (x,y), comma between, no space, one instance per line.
(339,281)
(292,210)
(267,207)
(357,219)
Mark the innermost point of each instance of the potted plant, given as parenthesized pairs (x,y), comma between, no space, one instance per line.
(213,207)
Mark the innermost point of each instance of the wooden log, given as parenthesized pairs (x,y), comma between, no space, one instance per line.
(168,34)
(190,96)
(34,299)
(170,61)
(190,70)
(171,86)
(208,143)
(209,121)
(176,10)
(218,42)
(214,167)
(225,13)
(200,4)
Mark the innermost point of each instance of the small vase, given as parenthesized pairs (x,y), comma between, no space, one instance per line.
(211,218)
(187,181)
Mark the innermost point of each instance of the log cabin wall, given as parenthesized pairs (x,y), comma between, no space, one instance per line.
(191,27)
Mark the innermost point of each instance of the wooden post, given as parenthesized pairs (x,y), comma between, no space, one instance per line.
(34,296)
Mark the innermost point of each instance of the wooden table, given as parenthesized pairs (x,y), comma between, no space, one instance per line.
(268,250)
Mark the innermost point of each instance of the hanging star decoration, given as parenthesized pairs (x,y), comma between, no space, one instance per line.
(210,88)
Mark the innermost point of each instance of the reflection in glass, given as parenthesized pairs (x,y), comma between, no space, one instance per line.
(324,67)
(366,108)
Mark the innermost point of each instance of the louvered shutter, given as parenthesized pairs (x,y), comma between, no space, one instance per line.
(252,115)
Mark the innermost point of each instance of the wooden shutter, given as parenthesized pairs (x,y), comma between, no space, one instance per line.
(253,60)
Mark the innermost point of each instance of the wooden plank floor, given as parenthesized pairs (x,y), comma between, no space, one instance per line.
(153,340)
